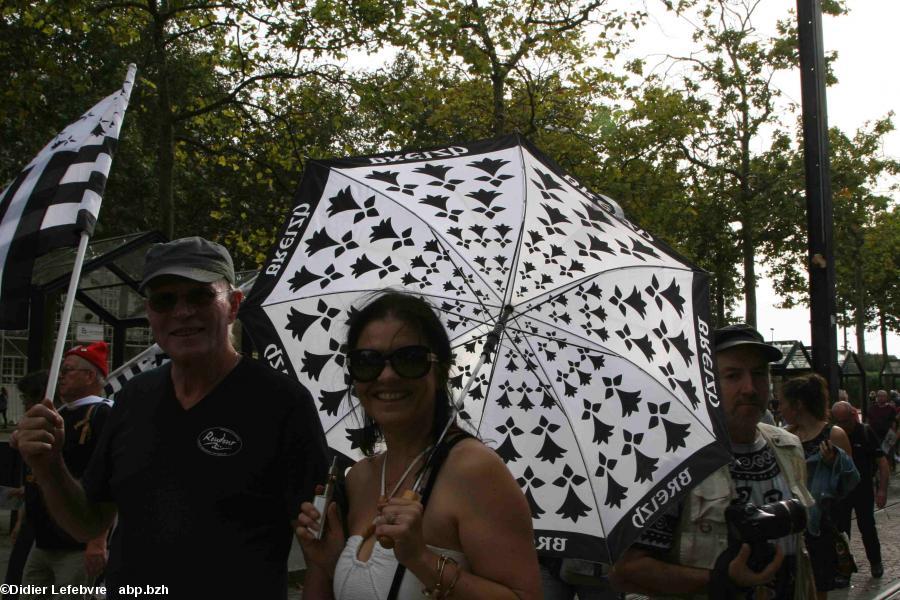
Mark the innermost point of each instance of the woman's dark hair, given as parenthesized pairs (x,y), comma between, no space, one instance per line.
(810,392)
(418,314)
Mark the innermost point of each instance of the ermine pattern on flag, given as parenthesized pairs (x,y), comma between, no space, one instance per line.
(55,198)
(149,359)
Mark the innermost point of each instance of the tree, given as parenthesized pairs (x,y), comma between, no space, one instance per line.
(209,74)
(207,57)
(729,79)
(866,255)
(506,42)
(881,259)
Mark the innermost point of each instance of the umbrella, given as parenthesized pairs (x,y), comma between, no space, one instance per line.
(600,395)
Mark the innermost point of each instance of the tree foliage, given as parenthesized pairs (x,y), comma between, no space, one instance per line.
(232,97)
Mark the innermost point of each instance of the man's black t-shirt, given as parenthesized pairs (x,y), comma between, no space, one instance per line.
(84,422)
(866,451)
(205,496)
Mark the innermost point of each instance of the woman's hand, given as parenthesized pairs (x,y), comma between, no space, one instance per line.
(827,452)
(401,520)
(323,552)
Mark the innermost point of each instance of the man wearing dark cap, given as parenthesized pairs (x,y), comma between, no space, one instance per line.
(56,558)
(207,458)
(686,552)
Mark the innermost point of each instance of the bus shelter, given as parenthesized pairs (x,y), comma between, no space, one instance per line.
(853,377)
(890,373)
(108,304)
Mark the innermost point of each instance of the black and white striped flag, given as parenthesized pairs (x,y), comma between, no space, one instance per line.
(55,198)
(147,360)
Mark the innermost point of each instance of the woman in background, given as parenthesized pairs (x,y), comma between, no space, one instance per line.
(831,473)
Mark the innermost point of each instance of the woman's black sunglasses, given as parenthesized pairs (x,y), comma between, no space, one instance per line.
(409,362)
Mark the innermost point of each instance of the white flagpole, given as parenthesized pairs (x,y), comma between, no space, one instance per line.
(79,258)
(66,315)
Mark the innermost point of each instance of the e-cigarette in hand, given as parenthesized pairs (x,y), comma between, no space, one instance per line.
(321,501)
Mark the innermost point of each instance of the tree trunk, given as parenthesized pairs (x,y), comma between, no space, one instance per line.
(497,84)
(165,171)
(860,312)
(720,303)
(748,251)
(748,233)
(165,158)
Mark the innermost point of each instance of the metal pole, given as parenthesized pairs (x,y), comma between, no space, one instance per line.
(823,319)
(66,315)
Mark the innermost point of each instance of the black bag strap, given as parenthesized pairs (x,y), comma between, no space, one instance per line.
(437,461)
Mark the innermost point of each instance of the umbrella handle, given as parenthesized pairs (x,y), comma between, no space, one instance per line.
(385,541)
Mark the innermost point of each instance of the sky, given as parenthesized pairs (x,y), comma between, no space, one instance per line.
(867,44)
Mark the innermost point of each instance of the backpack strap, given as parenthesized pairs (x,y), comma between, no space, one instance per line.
(437,461)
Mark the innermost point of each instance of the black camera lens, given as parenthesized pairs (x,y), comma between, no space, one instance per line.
(750,523)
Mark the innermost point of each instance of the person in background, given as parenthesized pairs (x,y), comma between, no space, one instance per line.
(831,474)
(870,461)
(32,387)
(4,405)
(881,414)
(56,558)
(686,552)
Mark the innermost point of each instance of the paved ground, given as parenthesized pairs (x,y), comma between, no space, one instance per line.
(863,586)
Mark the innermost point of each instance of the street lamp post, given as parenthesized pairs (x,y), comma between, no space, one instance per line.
(822,307)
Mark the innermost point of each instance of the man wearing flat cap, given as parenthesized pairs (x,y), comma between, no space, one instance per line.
(685,553)
(56,557)
(207,458)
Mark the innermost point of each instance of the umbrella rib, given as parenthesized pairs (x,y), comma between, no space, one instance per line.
(507,294)
(367,289)
(550,295)
(576,282)
(565,413)
(447,245)
(608,352)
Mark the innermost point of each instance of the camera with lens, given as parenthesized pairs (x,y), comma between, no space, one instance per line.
(756,525)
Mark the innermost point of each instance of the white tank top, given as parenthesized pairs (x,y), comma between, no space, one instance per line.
(371,580)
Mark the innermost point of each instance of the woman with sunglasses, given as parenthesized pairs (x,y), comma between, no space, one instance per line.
(473,536)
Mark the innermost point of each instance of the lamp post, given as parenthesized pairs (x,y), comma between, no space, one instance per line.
(822,309)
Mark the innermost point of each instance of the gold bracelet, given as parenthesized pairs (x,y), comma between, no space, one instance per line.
(438,592)
(449,591)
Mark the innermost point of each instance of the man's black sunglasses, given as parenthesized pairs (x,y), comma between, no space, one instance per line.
(409,362)
(198,297)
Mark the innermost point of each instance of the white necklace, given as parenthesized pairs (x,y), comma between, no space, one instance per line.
(400,481)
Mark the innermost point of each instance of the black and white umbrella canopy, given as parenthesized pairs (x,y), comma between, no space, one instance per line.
(600,396)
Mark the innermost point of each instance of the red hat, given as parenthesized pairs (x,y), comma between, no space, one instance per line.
(96,354)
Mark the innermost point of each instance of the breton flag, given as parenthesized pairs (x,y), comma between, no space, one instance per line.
(56,198)
(149,359)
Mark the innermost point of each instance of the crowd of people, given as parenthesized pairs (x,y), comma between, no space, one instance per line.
(197,492)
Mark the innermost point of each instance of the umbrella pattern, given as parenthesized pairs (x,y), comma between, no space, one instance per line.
(600,396)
